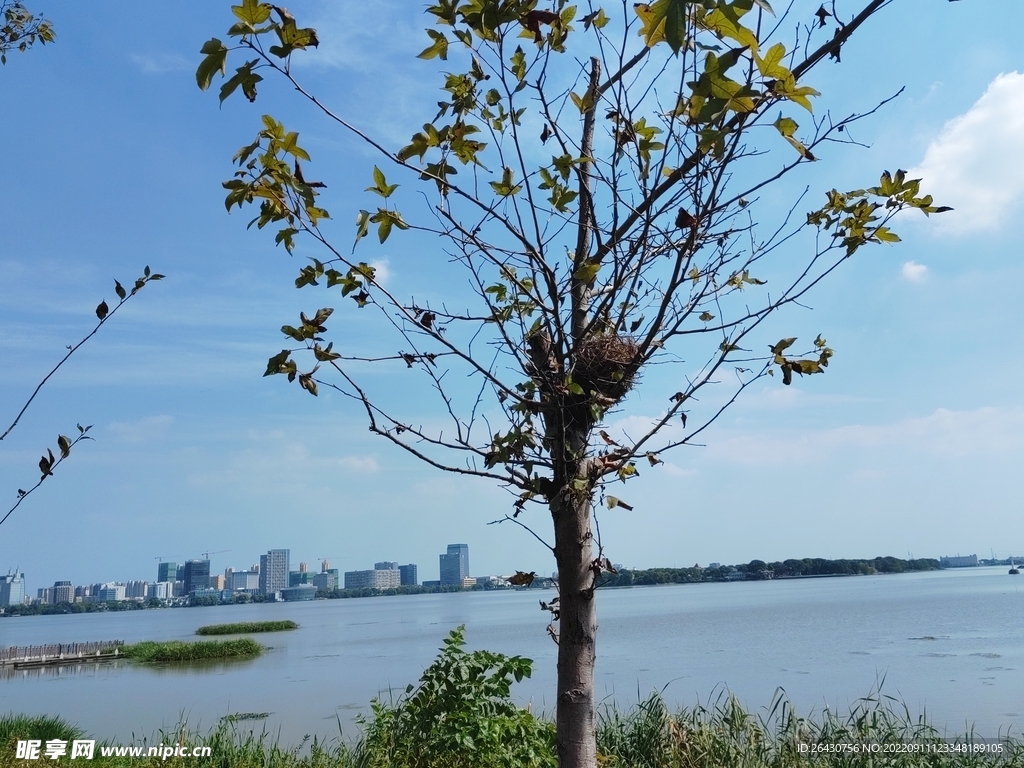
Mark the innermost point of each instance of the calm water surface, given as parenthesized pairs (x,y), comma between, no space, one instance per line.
(949,642)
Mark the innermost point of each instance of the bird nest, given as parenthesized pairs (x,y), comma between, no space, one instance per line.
(606,365)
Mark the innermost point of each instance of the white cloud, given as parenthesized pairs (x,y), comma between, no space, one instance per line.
(674,470)
(359,463)
(381,272)
(155,63)
(141,430)
(355,36)
(944,433)
(914,272)
(976,164)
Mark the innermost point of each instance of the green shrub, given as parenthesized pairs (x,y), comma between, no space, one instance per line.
(245,627)
(178,651)
(459,716)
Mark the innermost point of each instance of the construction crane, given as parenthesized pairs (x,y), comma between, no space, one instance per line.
(161,558)
(326,560)
(206,555)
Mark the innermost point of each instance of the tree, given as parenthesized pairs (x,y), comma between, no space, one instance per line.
(634,244)
(21,29)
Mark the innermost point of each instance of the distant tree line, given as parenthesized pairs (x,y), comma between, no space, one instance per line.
(759,569)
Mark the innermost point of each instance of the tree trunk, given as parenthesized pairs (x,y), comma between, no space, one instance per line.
(577,631)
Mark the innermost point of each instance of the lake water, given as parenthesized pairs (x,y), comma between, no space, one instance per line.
(948,642)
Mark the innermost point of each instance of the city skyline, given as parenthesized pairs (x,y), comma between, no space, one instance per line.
(410,572)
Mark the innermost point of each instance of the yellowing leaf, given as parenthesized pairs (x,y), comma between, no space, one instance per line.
(771,65)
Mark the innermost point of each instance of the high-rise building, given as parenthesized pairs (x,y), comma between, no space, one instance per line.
(303,567)
(274,571)
(197,575)
(408,575)
(161,590)
(111,592)
(169,571)
(378,578)
(455,564)
(136,589)
(12,589)
(62,592)
(386,565)
(245,580)
(326,580)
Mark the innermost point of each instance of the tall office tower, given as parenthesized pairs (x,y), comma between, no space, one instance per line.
(12,589)
(455,564)
(167,572)
(408,574)
(62,592)
(197,575)
(303,568)
(386,565)
(274,571)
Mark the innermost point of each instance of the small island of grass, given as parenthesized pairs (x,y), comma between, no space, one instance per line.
(245,627)
(243,648)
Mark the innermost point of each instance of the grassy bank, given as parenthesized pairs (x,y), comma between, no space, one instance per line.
(648,736)
(245,627)
(199,651)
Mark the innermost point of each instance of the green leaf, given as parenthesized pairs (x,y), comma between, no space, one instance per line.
(277,363)
(506,187)
(362,227)
(519,64)
(251,12)
(438,48)
(783,345)
(380,184)
(771,65)
(583,103)
(883,234)
(785,126)
(587,272)
(245,77)
(216,60)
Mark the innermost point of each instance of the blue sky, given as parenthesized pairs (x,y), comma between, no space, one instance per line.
(113,161)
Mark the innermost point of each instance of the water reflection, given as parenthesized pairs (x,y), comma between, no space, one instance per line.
(84,668)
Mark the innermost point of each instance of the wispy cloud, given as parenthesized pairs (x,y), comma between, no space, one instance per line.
(976,164)
(359,463)
(356,36)
(914,272)
(156,63)
(944,433)
(141,430)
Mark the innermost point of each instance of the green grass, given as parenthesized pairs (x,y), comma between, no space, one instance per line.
(245,627)
(719,735)
(199,651)
(15,727)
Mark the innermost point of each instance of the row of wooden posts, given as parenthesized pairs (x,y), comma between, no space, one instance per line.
(57,651)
